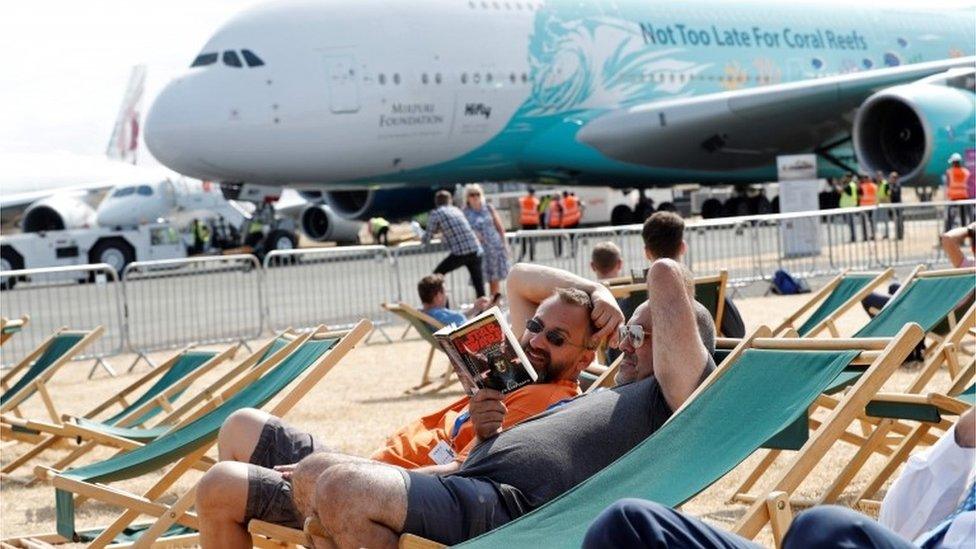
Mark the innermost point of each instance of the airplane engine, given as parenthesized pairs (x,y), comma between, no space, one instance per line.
(321,224)
(912,130)
(393,204)
(57,213)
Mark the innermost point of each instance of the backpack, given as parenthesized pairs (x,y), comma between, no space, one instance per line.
(732,324)
(786,284)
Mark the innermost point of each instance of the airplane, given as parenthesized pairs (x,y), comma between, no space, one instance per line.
(56,190)
(375,103)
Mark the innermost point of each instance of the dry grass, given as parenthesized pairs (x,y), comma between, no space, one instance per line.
(359,403)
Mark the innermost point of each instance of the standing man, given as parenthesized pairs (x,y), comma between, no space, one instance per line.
(956,178)
(528,221)
(847,190)
(459,237)
(894,185)
(201,237)
(884,197)
(868,197)
(555,221)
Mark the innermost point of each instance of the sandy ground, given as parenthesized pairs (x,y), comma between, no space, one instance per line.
(353,409)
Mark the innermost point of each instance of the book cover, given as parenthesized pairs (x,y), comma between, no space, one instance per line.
(485,354)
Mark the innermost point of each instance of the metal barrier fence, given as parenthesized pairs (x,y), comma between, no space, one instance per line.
(79,297)
(166,304)
(332,286)
(171,303)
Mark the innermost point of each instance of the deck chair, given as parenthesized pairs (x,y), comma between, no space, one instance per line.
(8,327)
(927,301)
(174,375)
(39,366)
(709,291)
(425,325)
(94,434)
(836,297)
(312,357)
(704,440)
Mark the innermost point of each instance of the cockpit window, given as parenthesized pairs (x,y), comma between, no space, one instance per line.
(231,59)
(144,190)
(204,59)
(123,191)
(251,59)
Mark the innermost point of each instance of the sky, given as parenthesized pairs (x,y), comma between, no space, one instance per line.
(66,63)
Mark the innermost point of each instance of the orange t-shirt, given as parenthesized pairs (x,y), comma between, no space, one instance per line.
(410,445)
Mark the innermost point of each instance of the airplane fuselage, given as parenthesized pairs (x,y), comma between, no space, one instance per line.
(358,92)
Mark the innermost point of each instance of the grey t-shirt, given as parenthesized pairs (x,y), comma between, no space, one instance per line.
(543,457)
(706,326)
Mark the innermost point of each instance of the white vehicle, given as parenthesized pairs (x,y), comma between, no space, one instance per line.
(117,248)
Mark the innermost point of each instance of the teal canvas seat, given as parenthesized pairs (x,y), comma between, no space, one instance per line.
(701,443)
(59,346)
(847,287)
(925,301)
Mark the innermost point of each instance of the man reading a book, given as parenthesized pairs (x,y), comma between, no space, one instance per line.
(510,472)
(256,474)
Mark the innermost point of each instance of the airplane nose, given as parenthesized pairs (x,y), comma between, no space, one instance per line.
(175,128)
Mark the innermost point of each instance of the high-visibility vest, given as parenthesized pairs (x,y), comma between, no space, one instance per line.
(202,231)
(377,223)
(571,211)
(849,200)
(956,183)
(529,211)
(884,192)
(869,194)
(556,213)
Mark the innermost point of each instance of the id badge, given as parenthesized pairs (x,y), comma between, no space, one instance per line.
(442,454)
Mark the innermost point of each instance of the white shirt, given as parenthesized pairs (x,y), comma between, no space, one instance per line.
(930,489)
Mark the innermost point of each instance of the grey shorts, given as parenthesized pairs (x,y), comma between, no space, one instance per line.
(451,509)
(268,494)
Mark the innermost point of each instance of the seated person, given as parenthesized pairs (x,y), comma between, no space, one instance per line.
(930,505)
(433,296)
(257,450)
(606,261)
(513,471)
(954,240)
(663,236)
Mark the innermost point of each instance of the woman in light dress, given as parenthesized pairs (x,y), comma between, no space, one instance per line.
(487,224)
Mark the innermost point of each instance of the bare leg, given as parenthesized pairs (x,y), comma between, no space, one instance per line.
(307,473)
(362,504)
(494,287)
(220,503)
(240,433)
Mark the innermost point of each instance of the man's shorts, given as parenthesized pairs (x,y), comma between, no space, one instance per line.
(451,509)
(268,494)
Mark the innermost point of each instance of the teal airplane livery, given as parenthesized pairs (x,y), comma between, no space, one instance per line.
(377,102)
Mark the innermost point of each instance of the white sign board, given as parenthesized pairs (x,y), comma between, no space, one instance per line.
(799,191)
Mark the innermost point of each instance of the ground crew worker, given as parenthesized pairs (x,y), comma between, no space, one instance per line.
(529,218)
(201,237)
(571,211)
(255,231)
(956,180)
(380,229)
(868,197)
(555,221)
(884,197)
(848,191)
(895,190)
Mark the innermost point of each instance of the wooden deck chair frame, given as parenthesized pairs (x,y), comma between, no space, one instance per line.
(40,383)
(10,327)
(829,323)
(200,403)
(880,357)
(873,437)
(179,512)
(721,280)
(408,312)
(54,433)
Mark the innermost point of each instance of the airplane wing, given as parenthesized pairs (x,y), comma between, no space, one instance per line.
(745,128)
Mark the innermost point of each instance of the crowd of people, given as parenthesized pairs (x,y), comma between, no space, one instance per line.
(482,461)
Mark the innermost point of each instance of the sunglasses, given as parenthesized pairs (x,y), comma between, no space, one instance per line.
(556,339)
(633,332)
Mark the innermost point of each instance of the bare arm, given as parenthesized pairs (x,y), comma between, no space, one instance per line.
(440,470)
(679,356)
(529,285)
(952,241)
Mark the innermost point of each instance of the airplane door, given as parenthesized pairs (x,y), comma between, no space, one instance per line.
(343,83)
